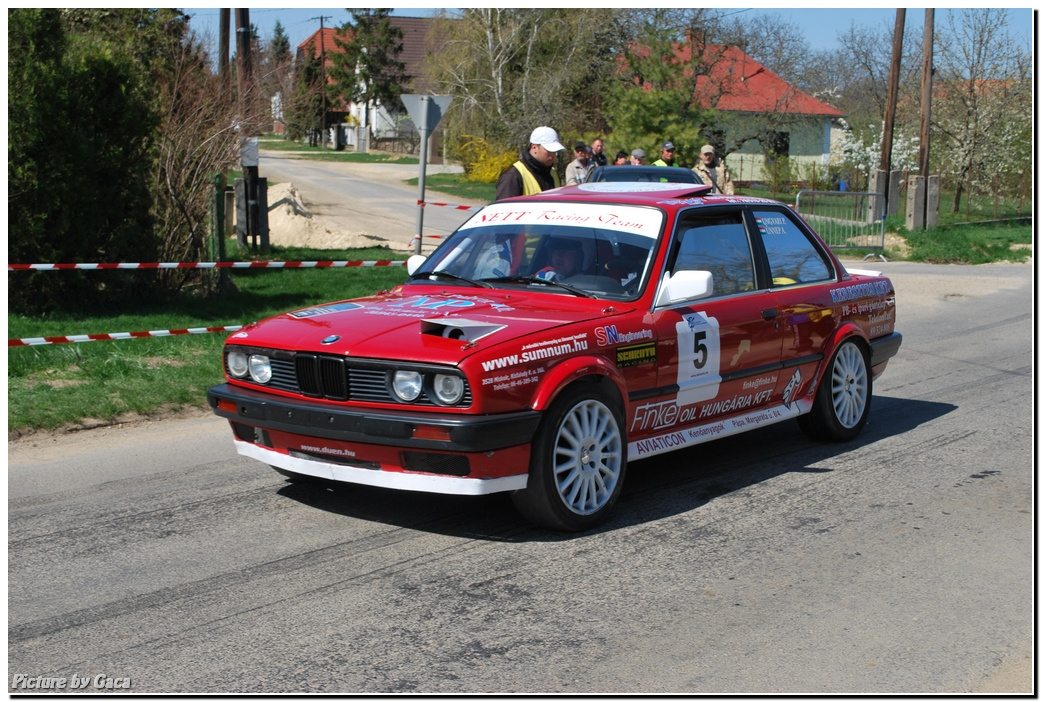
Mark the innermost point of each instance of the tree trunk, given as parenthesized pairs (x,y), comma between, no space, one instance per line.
(959,188)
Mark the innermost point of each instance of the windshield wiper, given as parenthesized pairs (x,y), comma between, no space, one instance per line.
(535,280)
(453,276)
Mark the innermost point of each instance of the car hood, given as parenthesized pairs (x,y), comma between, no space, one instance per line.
(418,323)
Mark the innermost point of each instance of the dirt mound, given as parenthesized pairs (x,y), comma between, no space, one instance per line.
(290,223)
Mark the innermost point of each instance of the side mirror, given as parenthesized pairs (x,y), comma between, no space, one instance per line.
(414,262)
(684,286)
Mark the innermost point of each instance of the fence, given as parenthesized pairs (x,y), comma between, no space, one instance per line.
(111,336)
(845,220)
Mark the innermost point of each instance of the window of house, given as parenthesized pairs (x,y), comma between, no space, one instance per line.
(774,144)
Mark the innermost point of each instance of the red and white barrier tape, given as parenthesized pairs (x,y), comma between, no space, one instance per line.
(424,203)
(44,340)
(428,236)
(204,264)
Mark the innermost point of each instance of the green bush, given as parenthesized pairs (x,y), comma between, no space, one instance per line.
(80,130)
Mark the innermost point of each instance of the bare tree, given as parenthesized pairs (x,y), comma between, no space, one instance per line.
(199,137)
(982,113)
(773,41)
(511,70)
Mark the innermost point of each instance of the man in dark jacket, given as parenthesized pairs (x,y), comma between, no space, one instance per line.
(534,172)
(599,157)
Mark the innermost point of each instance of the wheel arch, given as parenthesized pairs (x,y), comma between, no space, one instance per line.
(842,334)
(582,369)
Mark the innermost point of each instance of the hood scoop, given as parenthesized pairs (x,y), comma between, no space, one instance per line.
(464,329)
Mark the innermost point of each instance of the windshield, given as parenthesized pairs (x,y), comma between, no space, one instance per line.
(596,250)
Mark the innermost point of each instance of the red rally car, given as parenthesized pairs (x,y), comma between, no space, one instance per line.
(552,339)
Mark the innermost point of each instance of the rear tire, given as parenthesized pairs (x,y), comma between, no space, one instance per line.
(840,409)
(578,462)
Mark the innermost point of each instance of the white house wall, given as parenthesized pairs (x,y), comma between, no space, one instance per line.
(809,146)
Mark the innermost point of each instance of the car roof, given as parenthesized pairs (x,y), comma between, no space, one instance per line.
(639,193)
(643,173)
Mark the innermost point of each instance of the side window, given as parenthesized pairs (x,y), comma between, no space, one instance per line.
(718,243)
(793,257)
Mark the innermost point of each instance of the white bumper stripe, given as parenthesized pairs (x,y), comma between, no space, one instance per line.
(444,484)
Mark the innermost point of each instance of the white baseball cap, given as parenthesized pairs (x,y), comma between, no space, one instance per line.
(547,138)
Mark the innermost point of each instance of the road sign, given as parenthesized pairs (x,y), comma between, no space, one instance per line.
(425,111)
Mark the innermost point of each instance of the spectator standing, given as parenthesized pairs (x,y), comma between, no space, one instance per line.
(712,170)
(668,153)
(621,158)
(534,171)
(638,158)
(599,157)
(578,170)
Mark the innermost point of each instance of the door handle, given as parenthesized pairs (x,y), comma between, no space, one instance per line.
(770,314)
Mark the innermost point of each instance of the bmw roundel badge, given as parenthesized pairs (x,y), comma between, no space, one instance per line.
(330,340)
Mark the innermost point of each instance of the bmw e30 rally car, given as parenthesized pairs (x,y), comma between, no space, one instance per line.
(552,339)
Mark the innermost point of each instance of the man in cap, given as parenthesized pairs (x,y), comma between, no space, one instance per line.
(534,172)
(713,170)
(578,170)
(638,157)
(668,153)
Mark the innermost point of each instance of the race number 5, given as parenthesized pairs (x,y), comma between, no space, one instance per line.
(697,372)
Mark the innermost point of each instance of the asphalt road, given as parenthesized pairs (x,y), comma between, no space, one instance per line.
(766,563)
(370,198)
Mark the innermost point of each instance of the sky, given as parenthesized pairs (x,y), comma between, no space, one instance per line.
(821,27)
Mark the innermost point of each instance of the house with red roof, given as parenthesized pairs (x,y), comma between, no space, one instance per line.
(376,119)
(760,114)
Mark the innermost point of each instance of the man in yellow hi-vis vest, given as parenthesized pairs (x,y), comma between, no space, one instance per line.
(534,172)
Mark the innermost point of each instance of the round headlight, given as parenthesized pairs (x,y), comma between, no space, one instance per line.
(407,385)
(238,364)
(448,388)
(260,368)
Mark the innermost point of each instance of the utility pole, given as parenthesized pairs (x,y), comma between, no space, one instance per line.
(225,45)
(245,64)
(891,96)
(249,157)
(321,41)
(923,210)
(927,93)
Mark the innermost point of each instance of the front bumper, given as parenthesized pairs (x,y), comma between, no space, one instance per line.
(393,479)
(425,452)
(465,434)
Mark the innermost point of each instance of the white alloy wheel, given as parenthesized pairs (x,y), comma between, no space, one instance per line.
(587,457)
(849,386)
(578,460)
(840,408)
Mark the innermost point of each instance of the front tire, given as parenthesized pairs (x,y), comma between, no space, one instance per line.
(578,462)
(840,409)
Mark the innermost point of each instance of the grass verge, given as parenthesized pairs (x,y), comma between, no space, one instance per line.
(456,185)
(971,243)
(67,384)
(321,153)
